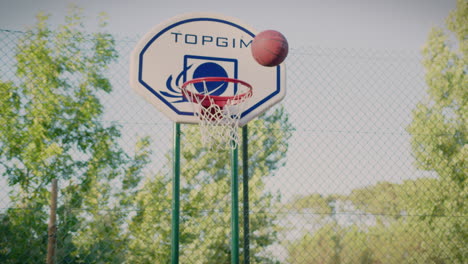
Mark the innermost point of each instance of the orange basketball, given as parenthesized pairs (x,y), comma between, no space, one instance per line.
(269,48)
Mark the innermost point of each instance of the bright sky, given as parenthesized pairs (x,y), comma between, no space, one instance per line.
(386,24)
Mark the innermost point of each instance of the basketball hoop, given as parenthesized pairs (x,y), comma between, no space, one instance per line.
(219,103)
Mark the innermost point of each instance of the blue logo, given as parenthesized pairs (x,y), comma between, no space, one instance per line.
(199,67)
(210,69)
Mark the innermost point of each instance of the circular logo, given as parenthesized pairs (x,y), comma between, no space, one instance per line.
(210,69)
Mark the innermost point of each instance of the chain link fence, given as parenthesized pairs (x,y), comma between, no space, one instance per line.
(332,174)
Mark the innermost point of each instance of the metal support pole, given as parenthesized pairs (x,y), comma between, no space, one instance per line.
(245,187)
(235,206)
(175,196)
(52,224)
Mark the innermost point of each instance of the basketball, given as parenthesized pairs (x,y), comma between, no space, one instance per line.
(269,48)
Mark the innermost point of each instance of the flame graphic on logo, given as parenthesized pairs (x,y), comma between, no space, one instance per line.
(175,93)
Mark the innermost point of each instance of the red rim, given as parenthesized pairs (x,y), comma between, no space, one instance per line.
(217,98)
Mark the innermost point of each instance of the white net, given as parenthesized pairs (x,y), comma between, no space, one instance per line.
(219,115)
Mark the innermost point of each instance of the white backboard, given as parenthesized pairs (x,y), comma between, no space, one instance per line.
(201,45)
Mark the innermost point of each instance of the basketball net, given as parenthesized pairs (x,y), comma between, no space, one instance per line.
(219,115)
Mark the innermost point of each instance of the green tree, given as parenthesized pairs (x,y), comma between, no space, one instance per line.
(384,199)
(439,138)
(322,246)
(356,247)
(316,203)
(50,128)
(397,235)
(205,199)
(386,230)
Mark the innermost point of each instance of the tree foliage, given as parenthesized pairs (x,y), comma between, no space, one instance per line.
(50,128)
(383,226)
(439,131)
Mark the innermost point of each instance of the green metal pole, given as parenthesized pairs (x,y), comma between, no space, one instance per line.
(175,196)
(245,187)
(235,206)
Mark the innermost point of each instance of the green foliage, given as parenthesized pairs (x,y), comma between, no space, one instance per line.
(316,203)
(21,231)
(322,246)
(396,230)
(381,199)
(356,247)
(439,130)
(205,199)
(50,128)
(150,227)
(439,125)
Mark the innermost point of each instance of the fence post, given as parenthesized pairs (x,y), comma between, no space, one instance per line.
(234,205)
(175,197)
(52,230)
(245,181)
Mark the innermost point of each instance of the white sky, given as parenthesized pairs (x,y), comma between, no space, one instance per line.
(381,24)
